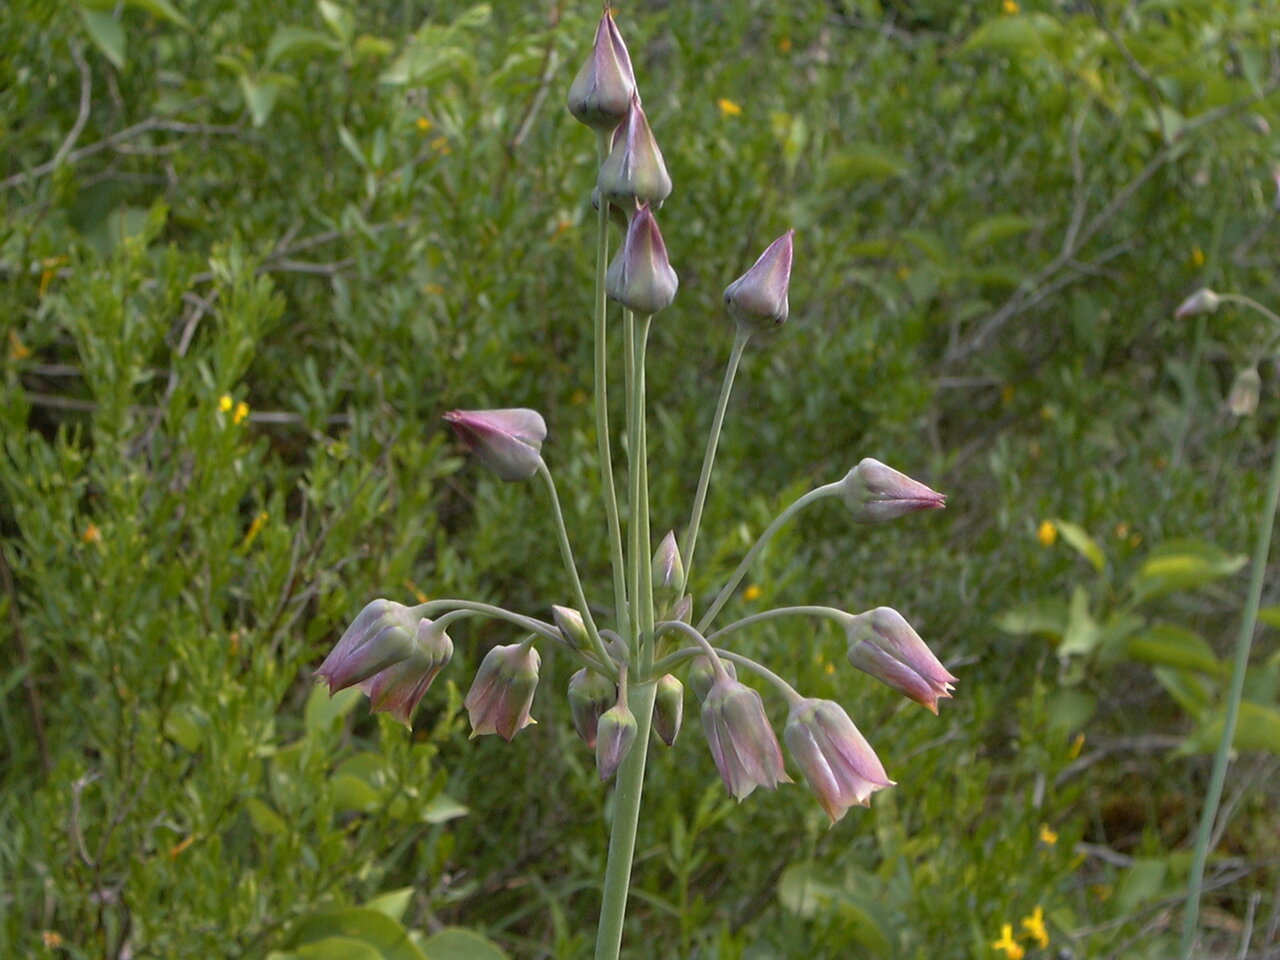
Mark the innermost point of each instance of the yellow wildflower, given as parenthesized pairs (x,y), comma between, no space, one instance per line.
(728,107)
(1010,946)
(242,411)
(1076,746)
(784,45)
(752,593)
(1035,928)
(225,403)
(1048,533)
(414,589)
(1197,258)
(829,668)
(91,534)
(181,845)
(1048,836)
(255,528)
(52,939)
(423,124)
(17,349)
(440,145)
(1010,7)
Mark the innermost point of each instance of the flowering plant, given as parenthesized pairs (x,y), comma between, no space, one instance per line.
(626,687)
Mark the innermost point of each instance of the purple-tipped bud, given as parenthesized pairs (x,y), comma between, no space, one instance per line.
(640,276)
(399,688)
(615,733)
(742,742)
(841,768)
(882,643)
(603,88)
(757,300)
(590,695)
(876,493)
(1203,300)
(502,692)
(668,568)
(668,708)
(381,635)
(508,442)
(571,626)
(702,675)
(1246,391)
(634,173)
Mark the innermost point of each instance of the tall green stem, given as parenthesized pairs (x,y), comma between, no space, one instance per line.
(626,817)
(709,458)
(1244,642)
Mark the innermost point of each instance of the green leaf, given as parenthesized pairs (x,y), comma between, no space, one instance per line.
(928,243)
(1257,729)
(106,33)
(264,819)
(1141,882)
(323,710)
(806,892)
(339,19)
(337,948)
(379,931)
(1045,616)
(260,97)
(864,161)
(394,903)
(1183,565)
(456,943)
(442,808)
(1175,646)
(994,229)
(1187,689)
(1005,35)
(1083,544)
(162,9)
(292,41)
(1270,616)
(1082,632)
(1068,709)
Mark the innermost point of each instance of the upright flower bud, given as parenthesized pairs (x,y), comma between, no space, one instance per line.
(571,626)
(634,173)
(1203,300)
(757,300)
(668,708)
(742,742)
(702,675)
(615,733)
(381,635)
(836,760)
(399,688)
(640,276)
(590,695)
(1246,390)
(508,442)
(603,88)
(668,569)
(882,644)
(875,493)
(502,692)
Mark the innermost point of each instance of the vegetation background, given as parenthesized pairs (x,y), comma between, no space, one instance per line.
(250,252)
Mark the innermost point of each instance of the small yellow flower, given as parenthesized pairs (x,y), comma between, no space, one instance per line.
(50,265)
(1048,533)
(752,593)
(1047,835)
(1197,258)
(52,939)
(242,411)
(225,403)
(1035,928)
(423,124)
(176,850)
(1122,529)
(1010,7)
(17,349)
(414,589)
(440,145)
(1010,946)
(728,108)
(784,45)
(255,528)
(91,534)
(829,668)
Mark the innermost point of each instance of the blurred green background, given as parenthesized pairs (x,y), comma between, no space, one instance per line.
(250,252)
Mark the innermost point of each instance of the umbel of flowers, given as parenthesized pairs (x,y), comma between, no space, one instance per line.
(653,629)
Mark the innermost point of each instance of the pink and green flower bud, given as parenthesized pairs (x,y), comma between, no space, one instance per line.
(640,276)
(502,692)
(634,173)
(876,493)
(615,733)
(702,675)
(668,708)
(883,644)
(1203,300)
(508,442)
(399,688)
(757,300)
(837,762)
(1246,391)
(381,635)
(571,627)
(668,569)
(590,695)
(742,742)
(603,89)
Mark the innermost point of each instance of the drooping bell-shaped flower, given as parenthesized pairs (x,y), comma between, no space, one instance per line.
(590,695)
(876,493)
(742,742)
(757,300)
(508,442)
(640,276)
(634,173)
(381,635)
(615,733)
(502,692)
(668,708)
(399,688)
(1246,391)
(1203,300)
(837,762)
(883,644)
(603,89)
(702,675)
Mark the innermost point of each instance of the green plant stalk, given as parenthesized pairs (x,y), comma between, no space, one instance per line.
(709,458)
(603,446)
(634,455)
(827,490)
(626,817)
(1240,664)
(645,599)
